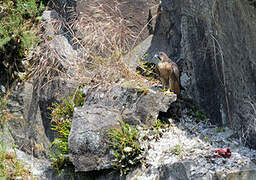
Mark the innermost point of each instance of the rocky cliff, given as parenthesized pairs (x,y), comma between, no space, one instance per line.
(214,45)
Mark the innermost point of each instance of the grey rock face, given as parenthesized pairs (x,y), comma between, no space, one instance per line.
(88,137)
(103,109)
(175,171)
(136,55)
(214,45)
(182,171)
(26,125)
(134,107)
(247,174)
(30,126)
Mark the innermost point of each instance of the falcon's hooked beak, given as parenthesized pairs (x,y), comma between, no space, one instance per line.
(156,56)
(156,59)
(160,56)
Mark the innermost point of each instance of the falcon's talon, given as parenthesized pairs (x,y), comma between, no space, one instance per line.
(168,92)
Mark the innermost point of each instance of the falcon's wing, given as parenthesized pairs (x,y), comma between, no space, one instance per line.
(176,72)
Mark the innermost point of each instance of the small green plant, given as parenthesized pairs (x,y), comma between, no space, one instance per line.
(195,112)
(146,69)
(220,129)
(125,145)
(160,126)
(10,166)
(206,139)
(177,150)
(62,114)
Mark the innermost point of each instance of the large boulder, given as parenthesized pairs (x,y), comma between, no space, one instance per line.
(103,109)
(88,137)
(136,105)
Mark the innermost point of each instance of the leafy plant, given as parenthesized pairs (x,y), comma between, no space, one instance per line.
(206,139)
(177,150)
(220,129)
(18,32)
(61,123)
(195,112)
(125,145)
(146,69)
(160,126)
(17,21)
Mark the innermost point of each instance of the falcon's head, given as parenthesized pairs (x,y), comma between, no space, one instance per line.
(162,57)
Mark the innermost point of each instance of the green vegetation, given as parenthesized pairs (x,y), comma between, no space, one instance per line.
(195,112)
(125,144)
(18,32)
(5,115)
(146,69)
(178,150)
(220,129)
(206,139)
(61,123)
(160,126)
(3,102)
(10,166)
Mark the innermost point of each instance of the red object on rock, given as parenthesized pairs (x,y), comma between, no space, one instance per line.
(224,152)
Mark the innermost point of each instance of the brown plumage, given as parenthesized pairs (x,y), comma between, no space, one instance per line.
(169,73)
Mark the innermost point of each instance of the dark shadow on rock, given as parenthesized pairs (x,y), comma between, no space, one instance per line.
(46,116)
